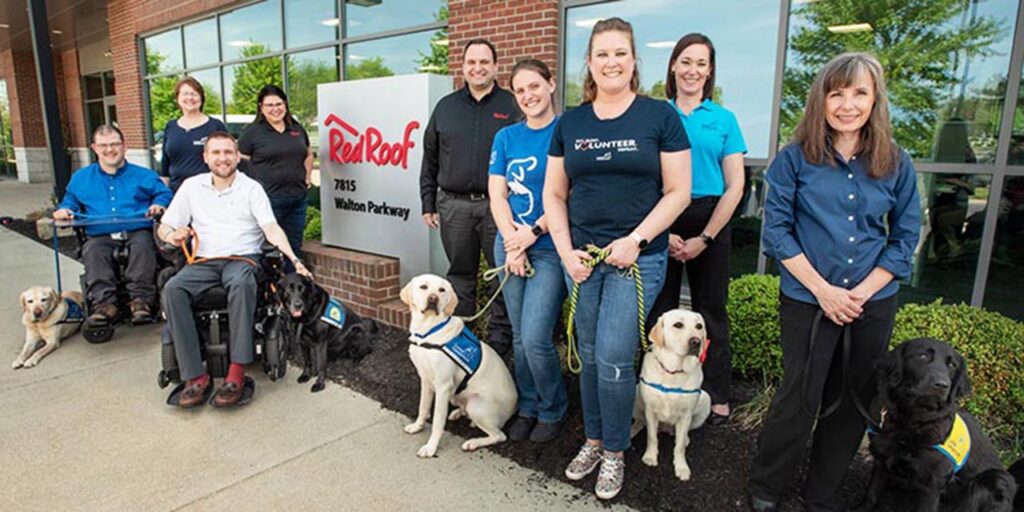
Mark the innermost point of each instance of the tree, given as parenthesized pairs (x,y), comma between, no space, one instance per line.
(920,43)
(163,106)
(303,77)
(372,67)
(252,76)
(437,60)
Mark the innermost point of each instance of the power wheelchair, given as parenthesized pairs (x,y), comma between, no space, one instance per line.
(271,334)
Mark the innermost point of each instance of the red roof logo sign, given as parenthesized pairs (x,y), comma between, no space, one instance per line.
(347,145)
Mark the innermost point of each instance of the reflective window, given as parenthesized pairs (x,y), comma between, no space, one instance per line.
(309,21)
(242,84)
(400,55)
(250,31)
(369,16)
(746,224)
(108,83)
(1017,135)
(93,86)
(201,43)
(305,71)
(163,52)
(744,51)
(953,218)
(1006,270)
(162,105)
(210,80)
(946,97)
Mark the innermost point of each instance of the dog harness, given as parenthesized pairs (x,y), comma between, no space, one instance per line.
(956,447)
(334,313)
(464,350)
(75,314)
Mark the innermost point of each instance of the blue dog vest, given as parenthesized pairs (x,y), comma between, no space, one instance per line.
(75,313)
(464,350)
(334,313)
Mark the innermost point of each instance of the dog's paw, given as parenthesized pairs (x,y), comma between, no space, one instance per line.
(456,414)
(304,378)
(650,457)
(471,445)
(427,451)
(683,471)
(414,428)
(316,388)
(31,363)
(17,364)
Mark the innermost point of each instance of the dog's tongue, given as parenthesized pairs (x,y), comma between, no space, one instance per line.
(295,314)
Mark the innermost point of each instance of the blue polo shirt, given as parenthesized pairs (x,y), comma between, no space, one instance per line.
(129,193)
(714,134)
(520,155)
(845,222)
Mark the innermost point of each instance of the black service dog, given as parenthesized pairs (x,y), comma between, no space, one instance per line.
(322,338)
(920,384)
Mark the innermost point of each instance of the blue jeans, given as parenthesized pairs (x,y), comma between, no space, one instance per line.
(533,306)
(291,216)
(608,335)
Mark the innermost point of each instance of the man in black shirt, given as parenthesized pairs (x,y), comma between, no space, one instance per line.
(453,179)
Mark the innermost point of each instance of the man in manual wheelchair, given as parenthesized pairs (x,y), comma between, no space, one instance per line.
(226,216)
(111,204)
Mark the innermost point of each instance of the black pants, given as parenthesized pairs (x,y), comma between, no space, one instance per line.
(101,274)
(467,228)
(788,426)
(708,275)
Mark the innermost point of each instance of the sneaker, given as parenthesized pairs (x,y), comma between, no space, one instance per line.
(545,431)
(521,428)
(609,479)
(584,462)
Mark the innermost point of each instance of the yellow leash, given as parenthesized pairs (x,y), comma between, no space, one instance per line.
(572,353)
(491,275)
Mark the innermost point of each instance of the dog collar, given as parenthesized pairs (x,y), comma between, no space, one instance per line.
(433,329)
(665,369)
(666,389)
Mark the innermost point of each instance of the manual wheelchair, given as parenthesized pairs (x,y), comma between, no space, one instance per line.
(271,334)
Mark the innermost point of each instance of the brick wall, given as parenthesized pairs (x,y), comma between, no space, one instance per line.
(18,68)
(367,283)
(518,28)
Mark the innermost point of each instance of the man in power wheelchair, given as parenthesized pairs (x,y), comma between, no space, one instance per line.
(112,202)
(227,216)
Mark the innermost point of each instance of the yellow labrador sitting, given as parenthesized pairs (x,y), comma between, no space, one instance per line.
(669,389)
(46,318)
(454,367)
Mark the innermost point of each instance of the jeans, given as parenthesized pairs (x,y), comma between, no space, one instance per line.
(608,335)
(291,216)
(533,306)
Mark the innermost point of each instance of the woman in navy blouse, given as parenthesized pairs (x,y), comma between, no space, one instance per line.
(843,219)
(182,154)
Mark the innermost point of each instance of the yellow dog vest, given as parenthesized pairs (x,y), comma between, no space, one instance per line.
(956,447)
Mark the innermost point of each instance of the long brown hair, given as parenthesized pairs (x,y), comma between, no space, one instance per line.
(609,25)
(685,42)
(814,134)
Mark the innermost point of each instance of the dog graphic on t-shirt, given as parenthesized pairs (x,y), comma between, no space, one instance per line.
(517,169)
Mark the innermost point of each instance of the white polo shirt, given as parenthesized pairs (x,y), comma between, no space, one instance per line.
(228,222)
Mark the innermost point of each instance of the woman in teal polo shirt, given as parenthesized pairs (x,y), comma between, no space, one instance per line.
(700,238)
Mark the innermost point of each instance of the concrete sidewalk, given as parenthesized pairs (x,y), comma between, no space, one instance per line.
(88,430)
(19,199)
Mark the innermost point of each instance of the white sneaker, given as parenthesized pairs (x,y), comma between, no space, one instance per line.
(611,476)
(584,462)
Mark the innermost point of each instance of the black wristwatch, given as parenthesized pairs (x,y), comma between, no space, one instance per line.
(708,239)
(641,242)
(537,230)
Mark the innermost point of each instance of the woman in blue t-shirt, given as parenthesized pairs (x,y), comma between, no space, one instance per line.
(182,153)
(518,162)
(618,175)
(700,238)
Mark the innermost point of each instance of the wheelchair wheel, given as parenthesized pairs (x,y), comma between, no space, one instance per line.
(275,347)
(97,333)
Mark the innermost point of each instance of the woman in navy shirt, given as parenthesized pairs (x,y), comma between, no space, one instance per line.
(182,153)
(518,163)
(700,238)
(843,219)
(618,175)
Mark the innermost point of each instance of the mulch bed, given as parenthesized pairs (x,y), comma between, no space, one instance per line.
(718,456)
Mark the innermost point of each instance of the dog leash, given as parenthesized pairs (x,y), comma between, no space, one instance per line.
(190,254)
(491,275)
(572,352)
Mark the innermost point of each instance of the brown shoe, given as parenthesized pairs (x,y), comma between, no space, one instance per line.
(193,394)
(103,313)
(140,311)
(228,394)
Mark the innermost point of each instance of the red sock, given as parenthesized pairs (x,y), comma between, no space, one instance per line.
(202,380)
(236,373)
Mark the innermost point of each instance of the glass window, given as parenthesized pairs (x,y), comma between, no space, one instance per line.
(1017,135)
(310,21)
(250,31)
(744,53)
(242,84)
(305,71)
(400,55)
(108,83)
(201,43)
(162,105)
(953,218)
(210,80)
(369,16)
(163,52)
(1006,269)
(746,224)
(946,97)
(93,86)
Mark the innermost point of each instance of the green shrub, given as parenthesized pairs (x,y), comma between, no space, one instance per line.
(313,227)
(754,326)
(993,346)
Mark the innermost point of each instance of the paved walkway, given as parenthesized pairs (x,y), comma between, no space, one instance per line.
(20,199)
(88,430)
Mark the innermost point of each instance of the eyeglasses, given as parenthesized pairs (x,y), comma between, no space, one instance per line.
(108,145)
(189,94)
(273,105)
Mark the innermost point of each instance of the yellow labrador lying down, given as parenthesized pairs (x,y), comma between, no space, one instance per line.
(454,367)
(48,318)
(669,389)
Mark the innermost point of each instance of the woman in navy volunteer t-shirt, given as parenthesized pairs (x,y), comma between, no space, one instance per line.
(618,175)
(518,162)
(699,239)
(182,153)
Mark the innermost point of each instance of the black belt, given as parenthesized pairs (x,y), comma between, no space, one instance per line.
(468,196)
(705,200)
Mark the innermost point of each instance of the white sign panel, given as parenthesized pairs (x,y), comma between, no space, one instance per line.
(371,146)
